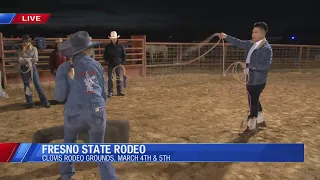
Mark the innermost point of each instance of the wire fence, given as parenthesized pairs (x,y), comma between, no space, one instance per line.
(163,58)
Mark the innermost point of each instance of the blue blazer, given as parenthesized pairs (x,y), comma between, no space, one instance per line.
(260,60)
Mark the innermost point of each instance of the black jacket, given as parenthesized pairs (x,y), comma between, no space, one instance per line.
(114,54)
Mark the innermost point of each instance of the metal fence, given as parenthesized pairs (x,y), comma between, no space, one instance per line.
(174,57)
(162,58)
(9,64)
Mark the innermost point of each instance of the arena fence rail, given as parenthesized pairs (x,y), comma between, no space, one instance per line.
(163,58)
(135,66)
(153,58)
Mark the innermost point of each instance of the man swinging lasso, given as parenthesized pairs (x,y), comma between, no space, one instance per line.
(258,53)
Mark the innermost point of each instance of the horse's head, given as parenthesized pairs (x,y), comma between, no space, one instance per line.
(149,48)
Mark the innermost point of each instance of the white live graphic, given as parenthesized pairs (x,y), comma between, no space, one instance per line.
(31,18)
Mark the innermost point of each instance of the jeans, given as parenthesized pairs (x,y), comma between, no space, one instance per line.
(254,92)
(95,124)
(110,81)
(36,81)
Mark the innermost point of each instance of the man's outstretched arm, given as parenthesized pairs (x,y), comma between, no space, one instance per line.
(243,44)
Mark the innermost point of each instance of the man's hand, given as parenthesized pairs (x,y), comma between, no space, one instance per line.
(244,66)
(222,35)
(245,71)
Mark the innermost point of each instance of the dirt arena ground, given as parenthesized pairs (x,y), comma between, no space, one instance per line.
(187,108)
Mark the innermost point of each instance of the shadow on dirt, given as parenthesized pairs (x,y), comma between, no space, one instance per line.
(22,106)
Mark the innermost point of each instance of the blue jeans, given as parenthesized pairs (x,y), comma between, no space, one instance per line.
(95,124)
(110,81)
(36,81)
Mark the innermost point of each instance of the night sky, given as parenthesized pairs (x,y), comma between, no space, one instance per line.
(182,20)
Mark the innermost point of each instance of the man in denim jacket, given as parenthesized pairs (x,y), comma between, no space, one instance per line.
(258,54)
(82,85)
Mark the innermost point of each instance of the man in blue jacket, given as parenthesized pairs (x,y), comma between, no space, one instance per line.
(82,85)
(258,54)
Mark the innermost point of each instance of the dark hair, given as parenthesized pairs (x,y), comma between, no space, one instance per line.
(261,25)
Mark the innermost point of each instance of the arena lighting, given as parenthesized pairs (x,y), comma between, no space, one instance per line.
(293,38)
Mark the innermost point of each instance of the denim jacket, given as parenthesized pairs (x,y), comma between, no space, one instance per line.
(88,88)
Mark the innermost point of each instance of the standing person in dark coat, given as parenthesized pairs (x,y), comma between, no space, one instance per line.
(56,58)
(258,54)
(114,55)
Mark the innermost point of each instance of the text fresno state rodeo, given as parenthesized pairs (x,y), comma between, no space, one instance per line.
(98,153)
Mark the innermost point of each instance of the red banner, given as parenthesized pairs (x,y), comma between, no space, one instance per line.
(30,18)
(7,150)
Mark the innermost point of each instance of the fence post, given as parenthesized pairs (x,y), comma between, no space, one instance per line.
(224,55)
(199,54)
(3,69)
(180,55)
(144,56)
(300,58)
(141,44)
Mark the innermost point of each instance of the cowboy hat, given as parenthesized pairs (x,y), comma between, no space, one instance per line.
(26,38)
(78,42)
(59,40)
(113,35)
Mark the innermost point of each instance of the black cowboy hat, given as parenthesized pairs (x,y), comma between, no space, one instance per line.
(26,38)
(78,42)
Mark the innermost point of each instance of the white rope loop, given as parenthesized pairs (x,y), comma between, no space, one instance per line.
(122,72)
(208,39)
(121,76)
(234,66)
(30,69)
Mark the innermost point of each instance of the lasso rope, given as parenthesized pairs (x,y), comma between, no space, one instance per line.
(30,69)
(122,76)
(234,66)
(3,94)
(208,39)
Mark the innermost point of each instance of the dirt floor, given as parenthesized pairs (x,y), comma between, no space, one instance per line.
(187,108)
